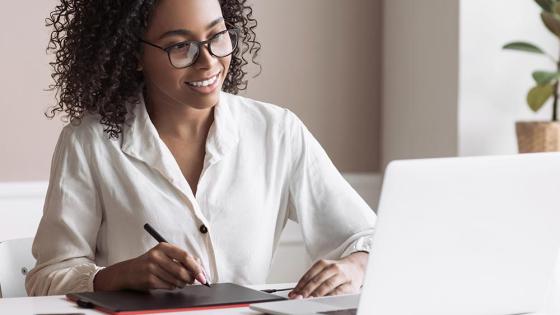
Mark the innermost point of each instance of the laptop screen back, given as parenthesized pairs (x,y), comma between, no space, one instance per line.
(465,236)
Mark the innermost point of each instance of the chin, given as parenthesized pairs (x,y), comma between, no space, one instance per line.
(203,101)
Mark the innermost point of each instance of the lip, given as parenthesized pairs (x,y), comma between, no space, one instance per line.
(206,78)
(206,90)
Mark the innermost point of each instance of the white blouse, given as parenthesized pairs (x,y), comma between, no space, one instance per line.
(262,167)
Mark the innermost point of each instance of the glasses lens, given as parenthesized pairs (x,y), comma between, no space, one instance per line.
(183,54)
(223,44)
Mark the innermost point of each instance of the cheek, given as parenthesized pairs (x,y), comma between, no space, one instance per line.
(226,62)
(158,70)
(152,59)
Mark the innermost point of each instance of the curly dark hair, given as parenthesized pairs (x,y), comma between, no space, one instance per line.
(96,44)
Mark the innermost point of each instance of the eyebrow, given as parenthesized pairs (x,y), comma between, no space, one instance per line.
(184,32)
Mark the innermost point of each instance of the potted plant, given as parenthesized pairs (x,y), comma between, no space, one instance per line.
(541,136)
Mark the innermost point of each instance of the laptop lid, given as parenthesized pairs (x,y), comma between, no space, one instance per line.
(470,236)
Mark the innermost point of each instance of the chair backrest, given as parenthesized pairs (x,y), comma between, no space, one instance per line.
(15,261)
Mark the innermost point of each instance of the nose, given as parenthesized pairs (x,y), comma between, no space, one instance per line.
(205,59)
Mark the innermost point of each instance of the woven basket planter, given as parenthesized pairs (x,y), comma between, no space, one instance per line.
(538,136)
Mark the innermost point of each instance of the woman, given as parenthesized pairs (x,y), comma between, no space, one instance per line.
(154,138)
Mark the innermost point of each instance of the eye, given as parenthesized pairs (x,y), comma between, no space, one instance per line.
(180,46)
(219,35)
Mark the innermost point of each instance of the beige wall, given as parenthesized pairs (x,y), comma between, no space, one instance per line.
(321,58)
(27,138)
(420,79)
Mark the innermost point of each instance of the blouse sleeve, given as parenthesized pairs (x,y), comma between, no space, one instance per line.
(335,221)
(65,243)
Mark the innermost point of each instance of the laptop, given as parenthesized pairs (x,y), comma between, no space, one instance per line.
(473,235)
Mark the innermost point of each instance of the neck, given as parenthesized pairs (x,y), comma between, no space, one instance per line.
(175,120)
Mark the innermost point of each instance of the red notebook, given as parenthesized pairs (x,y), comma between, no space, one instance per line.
(191,298)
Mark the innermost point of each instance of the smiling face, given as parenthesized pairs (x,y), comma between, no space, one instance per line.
(174,22)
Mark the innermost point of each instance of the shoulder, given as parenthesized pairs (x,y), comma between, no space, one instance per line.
(85,134)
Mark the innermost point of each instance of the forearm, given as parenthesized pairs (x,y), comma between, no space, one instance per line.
(111,278)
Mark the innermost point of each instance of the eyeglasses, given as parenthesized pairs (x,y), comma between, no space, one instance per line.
(185,54)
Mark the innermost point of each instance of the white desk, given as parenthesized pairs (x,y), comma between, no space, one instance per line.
(59,305)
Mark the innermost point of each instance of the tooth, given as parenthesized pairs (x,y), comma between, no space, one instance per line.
(208,82)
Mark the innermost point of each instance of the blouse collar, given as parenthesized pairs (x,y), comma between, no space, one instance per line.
(141,140)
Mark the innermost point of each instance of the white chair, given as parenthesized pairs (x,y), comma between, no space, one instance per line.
(15,261)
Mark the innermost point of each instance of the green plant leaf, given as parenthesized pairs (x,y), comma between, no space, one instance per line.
(545,77)
(545,4)
(551,22)
(524,46)
(538,95)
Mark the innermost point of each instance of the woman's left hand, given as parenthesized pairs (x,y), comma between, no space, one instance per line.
(332,277)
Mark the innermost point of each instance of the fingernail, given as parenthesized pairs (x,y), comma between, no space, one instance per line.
(299,297)
(201,278)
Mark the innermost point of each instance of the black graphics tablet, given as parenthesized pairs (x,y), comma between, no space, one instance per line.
(197,297)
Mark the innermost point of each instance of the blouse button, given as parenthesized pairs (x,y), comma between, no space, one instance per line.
(203,229)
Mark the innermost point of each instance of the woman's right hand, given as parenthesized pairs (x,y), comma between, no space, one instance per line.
(165,266)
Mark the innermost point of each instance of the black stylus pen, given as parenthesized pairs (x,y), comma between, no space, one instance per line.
(160,239)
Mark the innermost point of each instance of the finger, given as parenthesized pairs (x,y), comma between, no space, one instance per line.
(329,285)
(196,269)
(319,279)
(205,280)
(178,274)
(162,274)
(155,282)
(312,272)
(187,261)
(176,269)
(345,288)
